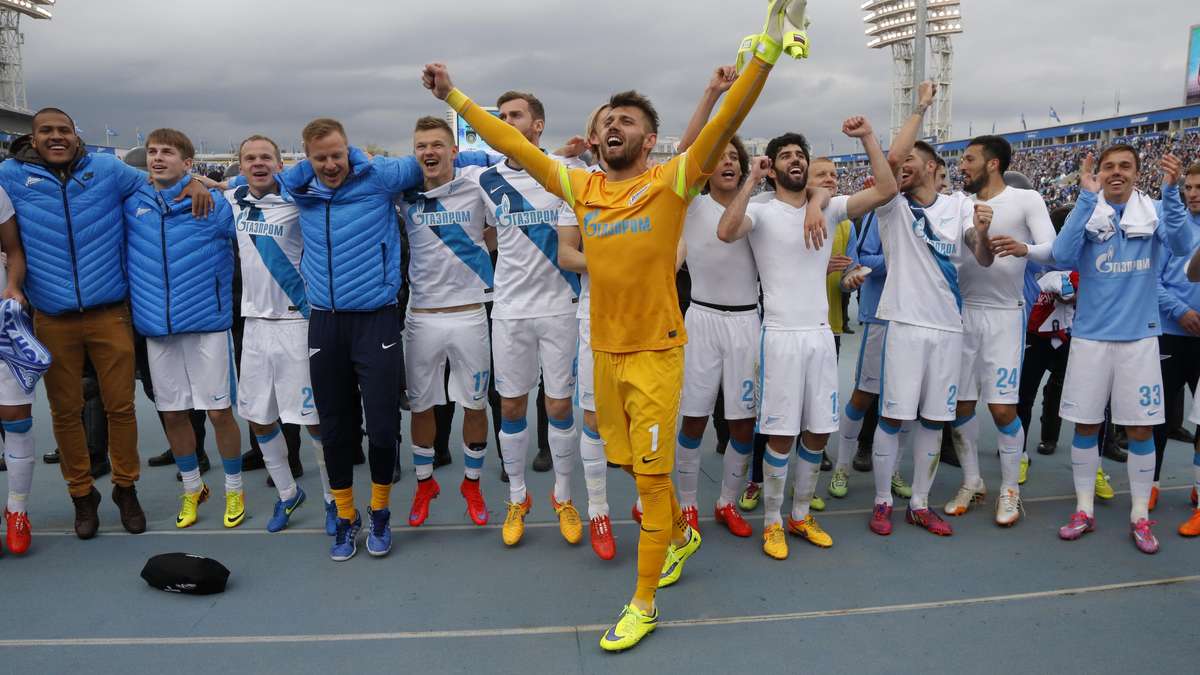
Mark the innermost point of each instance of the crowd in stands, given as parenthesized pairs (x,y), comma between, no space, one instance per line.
(1054,169)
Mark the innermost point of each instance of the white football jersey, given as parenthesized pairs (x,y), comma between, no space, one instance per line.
(269,247)
(1022,215)
(449,264)
(922,287)
(722,273)
(529,282)
(793,276)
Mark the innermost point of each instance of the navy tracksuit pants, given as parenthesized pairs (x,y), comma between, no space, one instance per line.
(357,356)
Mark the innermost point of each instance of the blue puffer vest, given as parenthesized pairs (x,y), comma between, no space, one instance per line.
(72,230)
(352,237)
(180,267)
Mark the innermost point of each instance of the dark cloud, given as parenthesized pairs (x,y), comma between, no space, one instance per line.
(225,68)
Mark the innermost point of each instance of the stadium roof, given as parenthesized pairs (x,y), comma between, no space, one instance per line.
(30,8)
(1064,130)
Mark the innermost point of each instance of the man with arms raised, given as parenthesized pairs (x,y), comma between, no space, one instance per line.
(631,219)
(451,277)
(924,234)
(994,322)
(798,382)
(1117,237)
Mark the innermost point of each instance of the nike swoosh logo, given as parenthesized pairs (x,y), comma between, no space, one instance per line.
(305,413)
(645,530)
(387,346)
(647,461)
(312,352)
(222,397)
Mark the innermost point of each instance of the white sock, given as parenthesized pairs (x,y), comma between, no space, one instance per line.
(968,455)
(734,466)
(927,448)
(1011,441)
(808,470)
(423,462)
(18,453)
(687,469)
(775,468)
(595,472)
(1140,466)
(274,453)
(473,461)
(1085,462)
(514,444)
(848,430)
(320,450)
(884,450)
(233,482)
(562,437)
(1196,472)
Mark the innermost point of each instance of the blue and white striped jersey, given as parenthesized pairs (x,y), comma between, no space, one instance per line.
(449,264)
(269,245)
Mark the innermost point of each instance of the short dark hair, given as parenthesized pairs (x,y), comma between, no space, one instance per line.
(536,109)
(632,99)
(1121,147)
(259,137)
(930,152)
(994,147)
(780,142)
(1058,216)
(174,138)
(743,159)
(54,111)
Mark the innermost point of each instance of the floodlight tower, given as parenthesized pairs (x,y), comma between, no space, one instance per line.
(12,79)
(904,25)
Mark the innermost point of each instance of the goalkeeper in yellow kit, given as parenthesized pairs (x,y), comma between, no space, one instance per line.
(631,219)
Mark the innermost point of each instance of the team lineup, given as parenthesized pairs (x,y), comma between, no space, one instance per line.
(524,271)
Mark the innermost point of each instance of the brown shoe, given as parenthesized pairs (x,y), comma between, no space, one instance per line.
(87,520)
(132,516)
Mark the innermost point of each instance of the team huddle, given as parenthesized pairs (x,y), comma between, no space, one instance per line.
(582,300)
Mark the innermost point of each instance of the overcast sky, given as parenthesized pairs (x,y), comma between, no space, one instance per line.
(222,69)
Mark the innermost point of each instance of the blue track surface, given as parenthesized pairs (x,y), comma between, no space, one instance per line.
(452,598)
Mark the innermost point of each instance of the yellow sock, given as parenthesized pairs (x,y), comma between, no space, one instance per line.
(656,493)
(344,498)
(380,496)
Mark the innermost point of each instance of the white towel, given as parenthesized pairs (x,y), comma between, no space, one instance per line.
(1139,219)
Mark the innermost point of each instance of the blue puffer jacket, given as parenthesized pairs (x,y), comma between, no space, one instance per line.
(352,236)
(72,231)
(180,267)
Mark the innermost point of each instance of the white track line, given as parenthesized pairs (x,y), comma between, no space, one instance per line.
(249,529)
(586,628)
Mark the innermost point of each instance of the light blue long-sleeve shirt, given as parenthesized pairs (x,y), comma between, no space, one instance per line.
(867,249)
(1118,278)
(1176,295)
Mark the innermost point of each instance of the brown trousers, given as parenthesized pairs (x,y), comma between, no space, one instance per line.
(105,336)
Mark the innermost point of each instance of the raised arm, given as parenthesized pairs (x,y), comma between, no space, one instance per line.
(702,157)
(1069,243)
(722,79)
(885,186)
(734,223)
(977,236)
(903,143)
(500,135)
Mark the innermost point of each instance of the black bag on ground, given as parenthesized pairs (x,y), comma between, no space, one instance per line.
(185,573)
